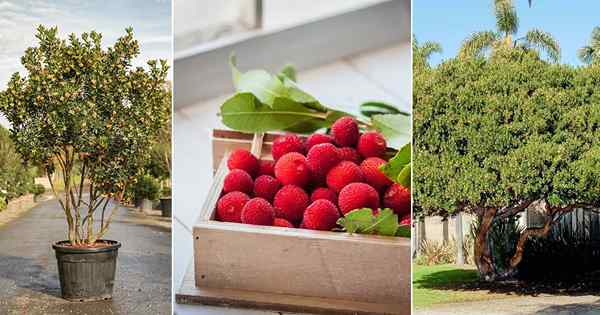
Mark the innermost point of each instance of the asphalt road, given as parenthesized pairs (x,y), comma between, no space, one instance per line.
(28,273)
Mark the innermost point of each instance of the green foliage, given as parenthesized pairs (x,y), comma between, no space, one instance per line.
(3,203)
(363,221)
(165,192)
(590,54)
(507,26)
(492,133)
(398,168)
(37,189)
(422,52)
(266,102)
(145,187)
(502,239)
(81,104)
(16,178)
(371,108)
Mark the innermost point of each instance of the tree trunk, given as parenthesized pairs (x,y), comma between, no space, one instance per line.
(482,255)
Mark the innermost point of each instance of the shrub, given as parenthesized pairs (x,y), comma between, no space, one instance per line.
(38,189)
(165,192)
(16,178)
(146,187)
(3,203)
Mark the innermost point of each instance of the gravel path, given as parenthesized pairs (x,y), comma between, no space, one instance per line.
(28,273)
(529,305)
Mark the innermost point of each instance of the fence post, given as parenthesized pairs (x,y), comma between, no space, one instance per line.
(460,255)
(421,233)
(445,234)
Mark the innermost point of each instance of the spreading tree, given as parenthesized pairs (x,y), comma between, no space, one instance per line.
(494,135)
(84,109)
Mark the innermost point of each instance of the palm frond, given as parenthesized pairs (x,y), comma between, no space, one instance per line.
(586,54)
(478,44)
(595,41)
(543,42)
(425,50)
(507,20)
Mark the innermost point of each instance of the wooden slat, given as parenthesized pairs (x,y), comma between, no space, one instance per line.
(188,293)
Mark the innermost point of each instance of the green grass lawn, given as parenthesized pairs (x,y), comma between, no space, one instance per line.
(440,284)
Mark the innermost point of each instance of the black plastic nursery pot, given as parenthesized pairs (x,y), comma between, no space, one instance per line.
(86,274)
(165,206)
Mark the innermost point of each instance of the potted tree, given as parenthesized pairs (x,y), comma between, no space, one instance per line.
(84,112)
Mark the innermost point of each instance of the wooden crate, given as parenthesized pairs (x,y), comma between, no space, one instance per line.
(286,269)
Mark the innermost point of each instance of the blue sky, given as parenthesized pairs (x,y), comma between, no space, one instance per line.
(450,22)
(150,19)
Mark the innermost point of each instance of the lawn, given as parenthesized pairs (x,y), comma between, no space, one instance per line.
(440,284)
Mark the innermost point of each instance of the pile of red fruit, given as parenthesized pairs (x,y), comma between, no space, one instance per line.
(311,183)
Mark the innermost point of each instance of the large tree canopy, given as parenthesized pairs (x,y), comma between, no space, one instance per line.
(494,135)
(84,106)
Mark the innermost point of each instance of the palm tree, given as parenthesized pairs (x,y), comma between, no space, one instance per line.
(423,52)
(590,54)
(507,26)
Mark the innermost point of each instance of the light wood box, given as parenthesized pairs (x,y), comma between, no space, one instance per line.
(286,269)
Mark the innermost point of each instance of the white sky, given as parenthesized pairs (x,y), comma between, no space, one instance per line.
(150,19)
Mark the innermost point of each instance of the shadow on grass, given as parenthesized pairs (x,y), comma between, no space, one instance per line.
(466,280)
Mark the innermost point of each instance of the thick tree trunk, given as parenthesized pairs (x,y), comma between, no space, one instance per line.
(543,231)
(482,255)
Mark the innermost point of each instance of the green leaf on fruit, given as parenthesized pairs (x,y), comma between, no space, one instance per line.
(258,82)
(394,127)
(288,71)
(403,231)
(398,168)
(363,221)
(371,108)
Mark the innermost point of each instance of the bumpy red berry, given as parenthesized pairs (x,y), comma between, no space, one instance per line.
(292,169)
(238,180)
(229,207)
(317,138)
(357,196)
(397,198)
(243,160)
(323,193)
(282,223)
(265,167)
(266,186)
(286,144)
(405,220)
(321,158)
(371,144)
(345,132)
(258,211)
(343,174)
(290,203)
(349,154)
(321,215)
(373,176)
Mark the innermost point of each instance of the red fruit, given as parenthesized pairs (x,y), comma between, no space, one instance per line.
(286,144)
(356,196)
(266,186)
(349,154)
(373,176)
(397,198)
(243,160)
(265,167)
(405,220)
(282,222)
(229,207)
(323,193)
(292,169)
(345,132)
(321,215)
(290,203)
(321,158)
(317,138)
(371,144)
(258,211)
(238,180)
(343,174)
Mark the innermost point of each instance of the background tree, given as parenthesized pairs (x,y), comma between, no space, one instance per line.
(492,136)
(422,52)
(85,107)
(590,54)
(16,178)
(507,26)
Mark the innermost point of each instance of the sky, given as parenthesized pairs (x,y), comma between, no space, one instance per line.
(450,22)
(150,19)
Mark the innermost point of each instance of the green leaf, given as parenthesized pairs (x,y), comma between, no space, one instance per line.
(371,108)
(246,113)
(395,128)
(296,94)
(363,221)
(288,71)
(258,82)
(403,231)
(398,168)
(356,220)
(385,223)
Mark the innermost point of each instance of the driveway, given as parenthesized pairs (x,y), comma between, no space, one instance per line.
(28,273)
